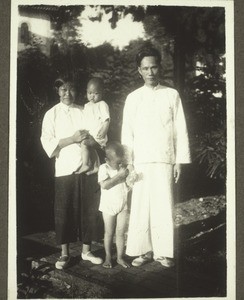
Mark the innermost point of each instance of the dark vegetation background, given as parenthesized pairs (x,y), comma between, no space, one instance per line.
(184,36)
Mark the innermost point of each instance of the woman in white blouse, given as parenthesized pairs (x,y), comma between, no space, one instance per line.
(76,195)
(155,136)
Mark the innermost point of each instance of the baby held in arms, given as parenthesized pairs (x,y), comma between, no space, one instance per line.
(98,118)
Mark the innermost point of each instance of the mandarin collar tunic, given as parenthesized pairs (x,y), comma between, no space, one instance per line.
(62,121)
(154,128)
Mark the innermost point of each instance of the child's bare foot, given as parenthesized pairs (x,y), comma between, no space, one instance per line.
(84,168)
(123,263)
(93,169)
(107,264)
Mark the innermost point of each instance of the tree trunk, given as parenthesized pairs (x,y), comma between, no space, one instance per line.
(179,62)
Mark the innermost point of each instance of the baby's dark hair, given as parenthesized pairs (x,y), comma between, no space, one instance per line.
(147,51)
(114,147)
(97,81)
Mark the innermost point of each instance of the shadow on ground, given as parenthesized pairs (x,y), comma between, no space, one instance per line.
(200,269)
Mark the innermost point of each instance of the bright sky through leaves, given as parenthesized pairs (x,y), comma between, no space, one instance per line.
(95,33)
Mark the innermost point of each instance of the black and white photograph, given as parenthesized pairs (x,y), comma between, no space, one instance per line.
(133,100)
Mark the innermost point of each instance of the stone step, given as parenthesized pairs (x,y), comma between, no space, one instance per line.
(200,234)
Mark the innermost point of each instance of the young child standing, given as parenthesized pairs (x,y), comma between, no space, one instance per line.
(113,204)
(98,117)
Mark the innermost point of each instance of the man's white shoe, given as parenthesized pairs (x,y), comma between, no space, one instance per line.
(90,257)
(165,261)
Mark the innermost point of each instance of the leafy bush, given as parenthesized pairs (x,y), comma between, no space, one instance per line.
(211,153)
(34,283)
(206,107)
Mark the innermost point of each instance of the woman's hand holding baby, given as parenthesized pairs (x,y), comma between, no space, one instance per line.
(79,136)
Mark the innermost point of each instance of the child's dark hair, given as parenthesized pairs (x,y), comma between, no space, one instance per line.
(114,147)
(97,81)
(147,51)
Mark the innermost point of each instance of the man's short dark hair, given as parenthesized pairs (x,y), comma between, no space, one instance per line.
(148,51)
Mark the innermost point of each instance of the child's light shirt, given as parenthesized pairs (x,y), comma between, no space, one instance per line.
(114,200)
(97,114)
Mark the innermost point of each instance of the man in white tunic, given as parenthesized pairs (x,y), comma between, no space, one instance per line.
(155,136)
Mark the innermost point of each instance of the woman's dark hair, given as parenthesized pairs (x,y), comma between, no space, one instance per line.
(61,81)
(148,51)
(58,83)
